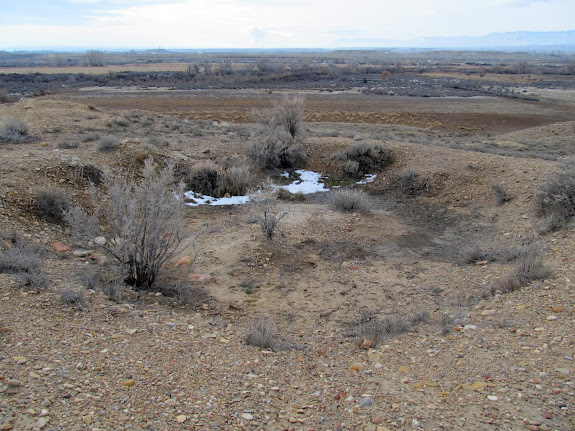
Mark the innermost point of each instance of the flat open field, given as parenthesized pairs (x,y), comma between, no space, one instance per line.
(482,114)
(392,317)
(99,70)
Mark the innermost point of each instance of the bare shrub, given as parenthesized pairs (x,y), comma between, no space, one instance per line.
(447,321)
(207,178)
(51,204)
(530,267)
(286,115)
(262,333)
(142,222)
(89,173)
(24,260)
(75,298)
(90,279)
(12,130)
(94,58)
(419,316)
(5,97)
(157,142)
(348,200)
(275,143)
(67,145)
(186,294)
(276,149)
(375,331)
(235,181)
(554,202)
(91,137)
(286,195)
(270,216)
(108,144)
(412,183)
(363,158)
(501,195)
(203,178)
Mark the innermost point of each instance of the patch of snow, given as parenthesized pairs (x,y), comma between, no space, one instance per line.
(209,200)
(369,178)
(309,182)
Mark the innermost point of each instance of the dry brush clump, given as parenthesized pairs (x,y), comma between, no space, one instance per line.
(51,204)
(412,183)
(363,159)
(23,259)
(211,179)
(12,130)
(554,202)
(270,216)
(530,267)
(142,223)
(286,114)
(262,333)
(108,144)
(276,142)
(349,200)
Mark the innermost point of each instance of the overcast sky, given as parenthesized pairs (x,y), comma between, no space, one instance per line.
(265,23)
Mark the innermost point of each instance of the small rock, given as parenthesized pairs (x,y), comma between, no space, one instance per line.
(185,261)
(558,309)
(488,312)
(492,398)
(247,416)
(100,240)
(563,371)
(548,415)
(6,427)
(129,382)
(551,317)
(82,252)
(366,344)
(42,422)
(13,382)
(20,359)
(181,418)
(60,247)
(200,278)
(131,331)
(87,419)
(365,402)
(46,402)
(374,356)
(404,369)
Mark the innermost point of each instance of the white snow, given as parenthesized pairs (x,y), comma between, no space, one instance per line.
(209,200)
(308,182)
(369,178)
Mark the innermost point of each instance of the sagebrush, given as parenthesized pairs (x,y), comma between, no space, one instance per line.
(51,204)
(12,130)
(362,159)
(276,143)
(142,222)
(349,200)
(23,259)
(554,202)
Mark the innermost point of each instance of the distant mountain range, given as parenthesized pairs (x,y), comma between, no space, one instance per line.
(530,40)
